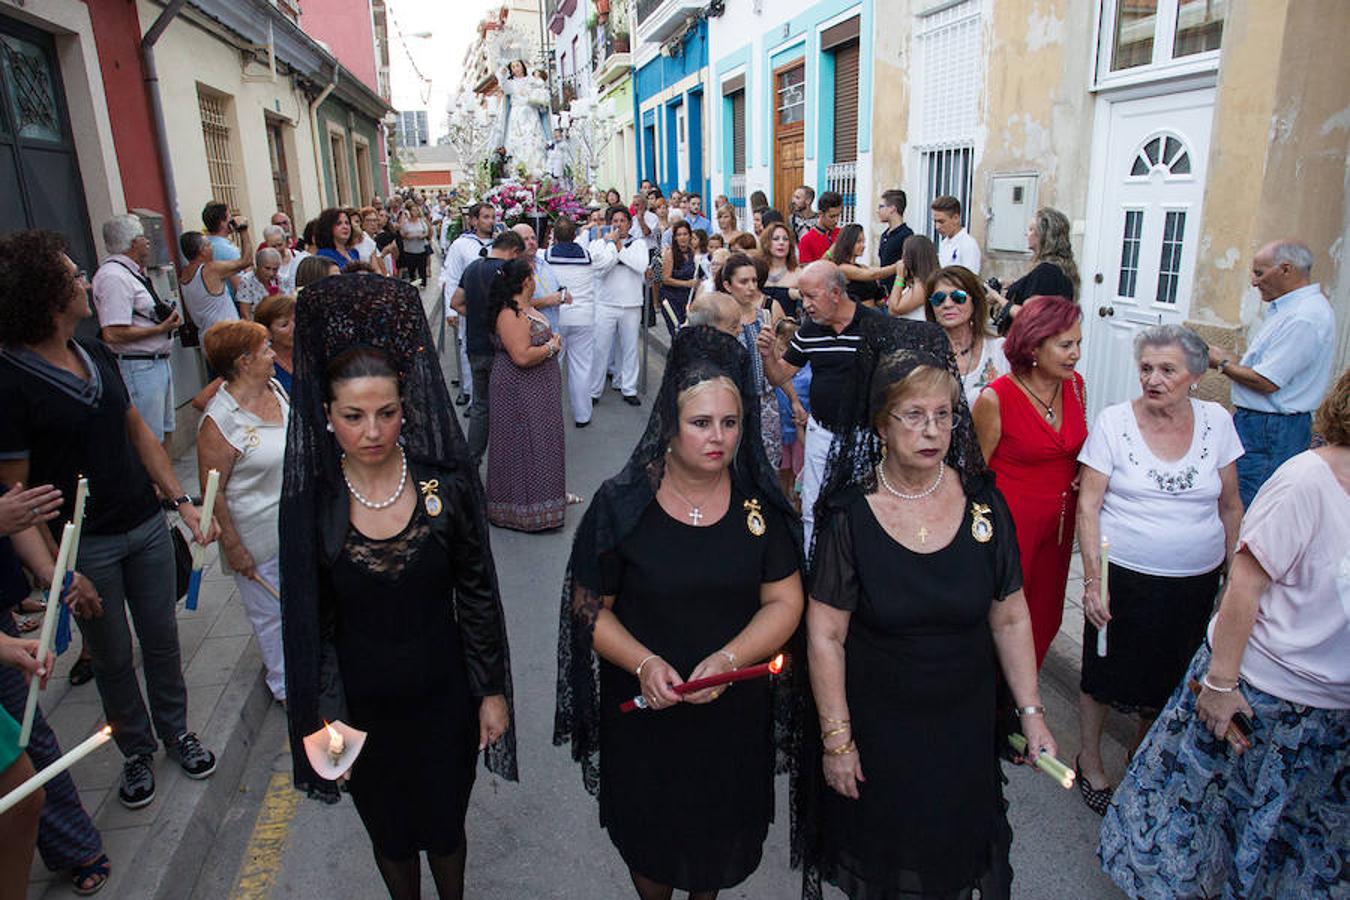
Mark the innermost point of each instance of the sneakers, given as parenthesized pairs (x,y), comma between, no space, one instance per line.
(196,760)
(138,782)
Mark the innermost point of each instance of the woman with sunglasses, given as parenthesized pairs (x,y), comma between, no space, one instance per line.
(956,301)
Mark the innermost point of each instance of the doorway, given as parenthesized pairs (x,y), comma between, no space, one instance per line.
(1153,159)
(281,182)
(789,122)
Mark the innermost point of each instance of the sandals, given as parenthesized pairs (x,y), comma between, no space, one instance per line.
(82,671)
(575,499)
(28,623)
(1096,799)
(90,879)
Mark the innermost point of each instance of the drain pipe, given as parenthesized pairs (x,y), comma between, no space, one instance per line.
(314,136)
(157,110)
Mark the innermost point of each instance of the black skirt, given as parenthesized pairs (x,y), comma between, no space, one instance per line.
(1157,623)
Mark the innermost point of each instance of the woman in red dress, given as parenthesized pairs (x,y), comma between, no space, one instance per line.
(1031,424)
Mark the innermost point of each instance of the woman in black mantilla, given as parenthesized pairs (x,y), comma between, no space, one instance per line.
(687,564)
(916,607)
(382,520)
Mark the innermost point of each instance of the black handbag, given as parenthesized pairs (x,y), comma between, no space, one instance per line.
(182,561)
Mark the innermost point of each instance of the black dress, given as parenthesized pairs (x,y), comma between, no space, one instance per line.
(774,292)
(686,792)
(1045,279)
(402,662)
(920,683)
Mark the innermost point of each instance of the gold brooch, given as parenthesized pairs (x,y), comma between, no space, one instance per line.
(980,527)
(754,519)
(430,499)
(251,437)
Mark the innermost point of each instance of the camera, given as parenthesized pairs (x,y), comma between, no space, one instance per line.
(995,284)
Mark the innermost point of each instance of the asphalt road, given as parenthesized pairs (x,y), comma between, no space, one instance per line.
(541,838)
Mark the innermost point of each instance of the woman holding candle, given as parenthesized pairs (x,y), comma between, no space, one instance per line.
(383,513)
(1031,424)
(1162,464)
(904,678)
(243,437)
(700,766)
(1197,816)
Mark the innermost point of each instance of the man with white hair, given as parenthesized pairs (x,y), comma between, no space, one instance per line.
(136,324)
(259,284)
(1281,378)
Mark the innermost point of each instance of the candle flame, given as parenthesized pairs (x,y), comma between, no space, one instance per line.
(332,732)
(106,730)
(776,665)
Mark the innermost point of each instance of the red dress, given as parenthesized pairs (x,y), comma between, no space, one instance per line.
(1034,466)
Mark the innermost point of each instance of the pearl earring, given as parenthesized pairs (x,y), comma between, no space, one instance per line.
(329,426)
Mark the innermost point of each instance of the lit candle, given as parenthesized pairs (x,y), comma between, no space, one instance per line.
(48,624)
(198,550)
(1045,762)
(335,743)
(96,740)
(1101,592)
(772,667)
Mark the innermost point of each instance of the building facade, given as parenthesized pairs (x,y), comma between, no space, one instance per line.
(670,86)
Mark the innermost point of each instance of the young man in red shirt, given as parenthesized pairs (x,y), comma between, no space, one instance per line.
(820,237)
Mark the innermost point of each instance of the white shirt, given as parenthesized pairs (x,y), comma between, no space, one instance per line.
(1162,518)
(1298,528)
(621,272)
(463,250)
(253,493)
(1293,349)
(654,239)
(367,248)
(960,250)
(121,299)
(992,363)
(578,275)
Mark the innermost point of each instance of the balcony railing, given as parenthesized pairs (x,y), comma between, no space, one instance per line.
(842,178)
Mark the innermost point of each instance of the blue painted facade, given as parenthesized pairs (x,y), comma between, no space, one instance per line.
(661,87)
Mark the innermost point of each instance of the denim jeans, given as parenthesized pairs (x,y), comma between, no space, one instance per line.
(150,384)
(1268,439)
(135,572)
(480,368)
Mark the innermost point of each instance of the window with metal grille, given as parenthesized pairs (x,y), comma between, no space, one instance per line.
(1129,253)
(738,132)
(945,117)
(1169,263)
(846,102)
(216,135)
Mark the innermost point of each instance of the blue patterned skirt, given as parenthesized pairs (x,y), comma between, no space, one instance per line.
(1193,819)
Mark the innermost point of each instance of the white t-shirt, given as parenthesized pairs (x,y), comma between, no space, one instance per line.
(1162,518)
(367,248)
(991,365)
(1298,528)
(960,250)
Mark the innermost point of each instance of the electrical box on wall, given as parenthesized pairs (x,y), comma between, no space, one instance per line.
(1012,203)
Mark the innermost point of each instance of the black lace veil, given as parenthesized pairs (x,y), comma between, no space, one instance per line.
(334,315)
(697,354)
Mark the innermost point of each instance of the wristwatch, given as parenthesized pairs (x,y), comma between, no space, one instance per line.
(179,501)
(1222,363)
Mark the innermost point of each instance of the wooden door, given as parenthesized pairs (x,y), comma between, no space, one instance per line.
(281,182)
(789,122)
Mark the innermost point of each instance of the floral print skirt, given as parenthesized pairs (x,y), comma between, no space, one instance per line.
(1193,819)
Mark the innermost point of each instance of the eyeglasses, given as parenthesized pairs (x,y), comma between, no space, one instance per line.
(81,275)
(958,297)
(944,420)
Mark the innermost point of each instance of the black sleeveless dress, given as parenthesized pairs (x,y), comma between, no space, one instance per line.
(686,793)
(402,662)
(920,683)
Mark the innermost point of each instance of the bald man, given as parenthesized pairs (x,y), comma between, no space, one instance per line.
(716,310)
(548,293)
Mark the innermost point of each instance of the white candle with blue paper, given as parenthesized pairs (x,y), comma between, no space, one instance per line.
(62,640)
(1102,593)
(79,752)
(199,551)
(48,626)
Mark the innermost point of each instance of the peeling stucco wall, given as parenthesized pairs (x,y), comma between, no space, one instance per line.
(893,45)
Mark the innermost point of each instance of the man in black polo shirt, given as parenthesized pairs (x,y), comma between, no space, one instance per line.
(891,210)
(471,302)
(828,341)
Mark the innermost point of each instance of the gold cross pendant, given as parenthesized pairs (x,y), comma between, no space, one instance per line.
(923,534)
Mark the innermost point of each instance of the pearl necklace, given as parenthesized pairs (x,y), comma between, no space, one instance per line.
(932,489)
(382,504)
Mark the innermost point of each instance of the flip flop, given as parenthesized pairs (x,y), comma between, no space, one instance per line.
(28,623)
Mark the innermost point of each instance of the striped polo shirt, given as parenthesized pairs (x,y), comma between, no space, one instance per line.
(831,355)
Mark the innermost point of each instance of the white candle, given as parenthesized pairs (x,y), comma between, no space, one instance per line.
(335,743)
(208,506)
(1101,589)
(48,626)
(92,743)
(81,496)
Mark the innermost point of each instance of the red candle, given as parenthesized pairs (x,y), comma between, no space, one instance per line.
(772,667)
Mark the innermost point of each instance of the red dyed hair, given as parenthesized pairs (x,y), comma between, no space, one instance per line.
(1042,317)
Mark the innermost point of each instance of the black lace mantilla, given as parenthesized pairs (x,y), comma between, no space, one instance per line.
(697,354)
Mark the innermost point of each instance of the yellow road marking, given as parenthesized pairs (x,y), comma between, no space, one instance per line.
(267,844)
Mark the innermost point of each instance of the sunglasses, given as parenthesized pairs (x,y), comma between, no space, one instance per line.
(957,297)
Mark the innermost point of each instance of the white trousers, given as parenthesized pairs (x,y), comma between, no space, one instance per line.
(816,452)
(579,361)
(264,614)
(617,329)
(465,379)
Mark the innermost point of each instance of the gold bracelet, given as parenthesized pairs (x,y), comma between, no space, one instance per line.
(648,658)
(828,721)
(843,750)
(826,735)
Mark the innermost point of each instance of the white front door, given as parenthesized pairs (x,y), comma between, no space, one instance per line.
(682,144)
(1153,158)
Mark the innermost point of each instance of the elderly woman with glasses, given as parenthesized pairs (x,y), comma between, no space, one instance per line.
(1160,484)
(243,437)
(956,301)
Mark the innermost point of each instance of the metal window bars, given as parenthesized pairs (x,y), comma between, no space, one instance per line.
(216,135)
